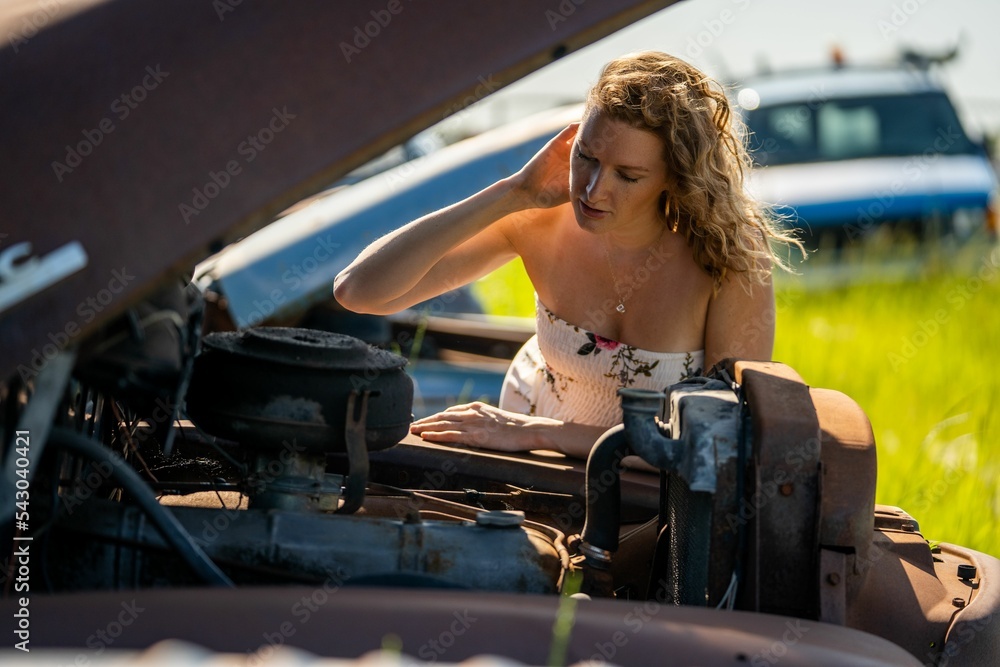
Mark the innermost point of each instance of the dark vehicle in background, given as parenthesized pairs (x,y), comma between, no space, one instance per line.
(170,471)
(847,152)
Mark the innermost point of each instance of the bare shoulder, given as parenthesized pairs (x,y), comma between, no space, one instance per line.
(741,318)
(524,228)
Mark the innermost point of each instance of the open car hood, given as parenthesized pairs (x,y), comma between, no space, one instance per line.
(140,137)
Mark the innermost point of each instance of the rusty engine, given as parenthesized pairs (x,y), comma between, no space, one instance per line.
(280,456)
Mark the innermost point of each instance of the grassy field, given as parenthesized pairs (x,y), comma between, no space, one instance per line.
(916,342)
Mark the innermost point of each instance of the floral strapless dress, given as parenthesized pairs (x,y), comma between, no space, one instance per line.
(571,374)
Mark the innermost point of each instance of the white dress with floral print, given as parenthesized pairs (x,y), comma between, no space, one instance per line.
(566,372)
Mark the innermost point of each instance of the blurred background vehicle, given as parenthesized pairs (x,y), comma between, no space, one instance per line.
(849,152)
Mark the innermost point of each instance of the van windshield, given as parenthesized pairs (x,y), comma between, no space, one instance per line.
(850,128)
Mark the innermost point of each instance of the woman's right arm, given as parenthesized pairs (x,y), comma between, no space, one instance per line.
(458,244)
(431,255)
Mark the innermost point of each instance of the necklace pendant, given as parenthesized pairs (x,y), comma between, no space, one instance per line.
(620,308)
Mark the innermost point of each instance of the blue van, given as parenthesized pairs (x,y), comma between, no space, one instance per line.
(847,151)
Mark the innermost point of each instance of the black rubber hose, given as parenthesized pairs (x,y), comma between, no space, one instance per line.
(600,529)
(173,532)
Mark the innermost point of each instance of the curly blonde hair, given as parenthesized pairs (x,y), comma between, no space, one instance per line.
(706,159)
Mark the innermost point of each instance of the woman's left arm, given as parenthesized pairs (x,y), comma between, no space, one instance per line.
(740,321)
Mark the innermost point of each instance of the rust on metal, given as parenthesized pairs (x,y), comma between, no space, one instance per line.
(785,530)
(603,630)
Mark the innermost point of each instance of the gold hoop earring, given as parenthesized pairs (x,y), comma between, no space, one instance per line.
(667,214)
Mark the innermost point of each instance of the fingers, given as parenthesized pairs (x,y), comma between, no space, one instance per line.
(569,132)
(459,418)
(426,420)
(460,424)
(443,430)
(450,437)
(562,143)
(474,424)
(438,425)
(468,410)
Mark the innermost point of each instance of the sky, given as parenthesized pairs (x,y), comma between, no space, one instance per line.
(729,39)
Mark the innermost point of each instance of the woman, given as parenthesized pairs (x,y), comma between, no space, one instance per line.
(649,261)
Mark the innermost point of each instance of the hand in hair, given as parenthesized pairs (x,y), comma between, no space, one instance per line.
(544,180)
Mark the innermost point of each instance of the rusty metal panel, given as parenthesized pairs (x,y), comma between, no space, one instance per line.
(334,620)
(974,636)
(833,586)
(785,524)
(424,466)
(849,472)
(915,596)
(847,505)
(902,598)
(142,135)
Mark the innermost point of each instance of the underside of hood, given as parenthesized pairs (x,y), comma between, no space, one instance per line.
(140,137)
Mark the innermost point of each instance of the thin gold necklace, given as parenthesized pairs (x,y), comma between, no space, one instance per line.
(614,278)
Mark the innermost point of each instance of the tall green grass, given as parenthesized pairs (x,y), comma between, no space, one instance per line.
(915,340)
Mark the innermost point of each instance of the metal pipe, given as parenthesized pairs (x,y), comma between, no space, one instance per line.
(645,435)
(557,536)
(171,529)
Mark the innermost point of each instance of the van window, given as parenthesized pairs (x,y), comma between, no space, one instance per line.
(843,129)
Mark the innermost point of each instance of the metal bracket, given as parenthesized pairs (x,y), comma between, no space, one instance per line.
(357,452)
